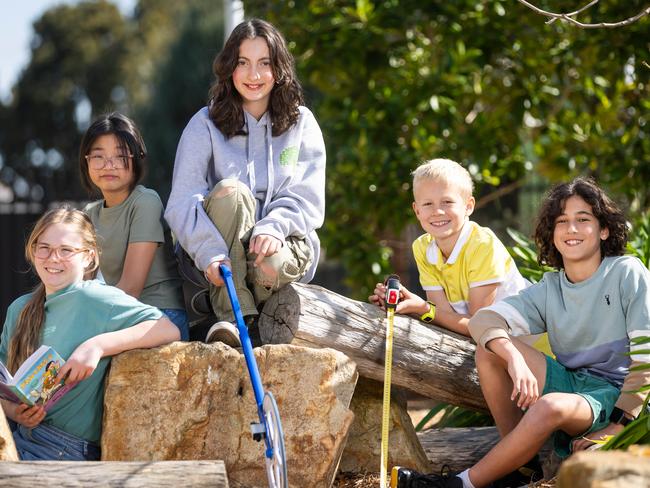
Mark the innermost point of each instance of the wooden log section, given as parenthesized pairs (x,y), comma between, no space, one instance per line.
(98,474)
(458,448)
(461,448)
(428,360)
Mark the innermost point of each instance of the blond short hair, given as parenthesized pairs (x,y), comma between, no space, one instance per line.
(446,171)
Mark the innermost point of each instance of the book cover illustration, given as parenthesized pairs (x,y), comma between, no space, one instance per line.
(34,382)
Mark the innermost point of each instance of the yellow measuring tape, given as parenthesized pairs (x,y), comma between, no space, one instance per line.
(385,414)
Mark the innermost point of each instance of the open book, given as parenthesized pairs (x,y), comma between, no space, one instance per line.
(34,382)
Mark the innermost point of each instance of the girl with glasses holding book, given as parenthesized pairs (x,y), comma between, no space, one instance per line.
(86,322)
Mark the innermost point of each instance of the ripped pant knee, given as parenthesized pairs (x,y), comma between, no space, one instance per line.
(267,273)
(225,190)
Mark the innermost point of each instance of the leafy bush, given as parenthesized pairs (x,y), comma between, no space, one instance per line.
(639,243)
(455,417)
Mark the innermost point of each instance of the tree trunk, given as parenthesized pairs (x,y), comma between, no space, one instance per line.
(461,448)
(427,360)
(458,448)
(163,474)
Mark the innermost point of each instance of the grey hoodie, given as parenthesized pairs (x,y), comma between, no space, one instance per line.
(285,173)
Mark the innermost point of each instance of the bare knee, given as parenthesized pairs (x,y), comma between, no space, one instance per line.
(551,411)
(267,273)
(224,191)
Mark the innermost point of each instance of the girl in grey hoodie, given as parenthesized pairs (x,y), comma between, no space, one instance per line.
(248,188)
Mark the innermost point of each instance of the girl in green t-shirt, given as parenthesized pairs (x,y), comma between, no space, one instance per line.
(86,322)
(134,239)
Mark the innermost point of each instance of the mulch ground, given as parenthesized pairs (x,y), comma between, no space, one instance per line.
(371,480)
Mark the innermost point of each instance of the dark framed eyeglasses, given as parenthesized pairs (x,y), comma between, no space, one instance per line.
(99,161)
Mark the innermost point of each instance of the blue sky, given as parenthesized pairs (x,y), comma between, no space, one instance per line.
(16,18)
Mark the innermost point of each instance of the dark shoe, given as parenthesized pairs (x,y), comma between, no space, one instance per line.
(223,332)
(527,474)
(409,478)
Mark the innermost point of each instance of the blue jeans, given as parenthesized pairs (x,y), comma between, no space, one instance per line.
(47,443)
(179,319)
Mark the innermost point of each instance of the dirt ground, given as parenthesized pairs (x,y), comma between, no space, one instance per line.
(371,480)
(418,407)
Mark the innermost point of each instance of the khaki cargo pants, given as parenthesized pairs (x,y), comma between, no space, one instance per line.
(231,207)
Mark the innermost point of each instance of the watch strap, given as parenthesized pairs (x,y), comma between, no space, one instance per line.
(618,417)
(430,314)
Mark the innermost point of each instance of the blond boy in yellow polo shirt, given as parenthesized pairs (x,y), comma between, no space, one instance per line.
(463,267)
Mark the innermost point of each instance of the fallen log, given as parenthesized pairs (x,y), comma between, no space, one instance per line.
(427,360)
(458,448)
(461,448)
(98,474)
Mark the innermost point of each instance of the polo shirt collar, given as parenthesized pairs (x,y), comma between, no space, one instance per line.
(433,252)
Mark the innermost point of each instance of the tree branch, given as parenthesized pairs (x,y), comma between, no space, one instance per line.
(499,192)
(568,16)
(576,12)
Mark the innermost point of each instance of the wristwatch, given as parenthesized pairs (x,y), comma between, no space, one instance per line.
(618,416)
(429,315)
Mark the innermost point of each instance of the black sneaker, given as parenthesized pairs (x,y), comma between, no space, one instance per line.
(409,478)
(527,474)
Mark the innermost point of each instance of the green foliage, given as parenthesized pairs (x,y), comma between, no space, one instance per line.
(489,84)
(454,417)
(525,254)
(639,243)
(637,431)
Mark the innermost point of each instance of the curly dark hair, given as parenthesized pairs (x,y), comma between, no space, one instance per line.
(225,103)
(129,138)
(609,216)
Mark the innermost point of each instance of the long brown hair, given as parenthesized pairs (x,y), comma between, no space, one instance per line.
(225,102)
(27,335)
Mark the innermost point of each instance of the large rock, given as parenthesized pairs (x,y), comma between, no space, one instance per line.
(363,450)
(7,447)
(195,401)
(611,469)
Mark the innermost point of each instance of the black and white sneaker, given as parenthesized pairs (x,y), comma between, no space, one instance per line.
(409,478)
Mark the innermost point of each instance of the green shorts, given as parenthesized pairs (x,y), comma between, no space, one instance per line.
(600,394)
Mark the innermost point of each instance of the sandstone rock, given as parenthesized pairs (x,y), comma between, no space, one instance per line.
(7,447)
(195,401)
(610,469)
(363,450)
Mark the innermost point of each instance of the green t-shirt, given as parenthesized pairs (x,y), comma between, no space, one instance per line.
(139,218)
(73,315)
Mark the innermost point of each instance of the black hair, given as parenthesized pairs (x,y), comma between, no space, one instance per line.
(609,216)
(129,138)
